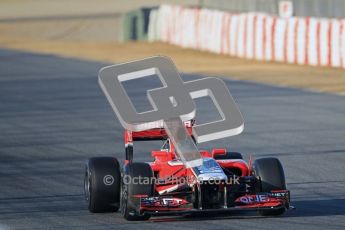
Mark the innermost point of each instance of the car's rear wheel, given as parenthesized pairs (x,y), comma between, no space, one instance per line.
(271,174)
(102,184)
(131,187)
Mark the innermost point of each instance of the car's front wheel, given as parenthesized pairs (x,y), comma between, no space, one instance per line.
(135,174)
(271,174)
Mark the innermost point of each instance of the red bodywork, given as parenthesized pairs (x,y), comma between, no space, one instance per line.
(174,180)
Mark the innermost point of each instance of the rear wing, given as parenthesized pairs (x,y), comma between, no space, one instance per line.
(152,134)
(148,135)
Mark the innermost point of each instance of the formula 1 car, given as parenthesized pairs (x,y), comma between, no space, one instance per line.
(223,183)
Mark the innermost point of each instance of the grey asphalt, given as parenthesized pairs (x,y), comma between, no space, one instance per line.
(53,116)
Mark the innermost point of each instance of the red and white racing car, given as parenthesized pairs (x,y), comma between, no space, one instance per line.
(224,183)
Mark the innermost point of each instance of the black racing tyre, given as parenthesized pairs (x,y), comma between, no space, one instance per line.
(271,174)
(131,187)
(229,155)
(102,183)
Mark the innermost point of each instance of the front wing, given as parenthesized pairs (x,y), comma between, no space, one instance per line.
(167,205)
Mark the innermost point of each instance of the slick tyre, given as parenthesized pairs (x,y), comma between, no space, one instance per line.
(272,177)
(102,183)
(131,187)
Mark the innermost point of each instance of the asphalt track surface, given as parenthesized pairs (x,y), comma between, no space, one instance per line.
(53,116)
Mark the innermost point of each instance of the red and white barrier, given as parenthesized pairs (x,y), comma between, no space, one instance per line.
(304,41)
